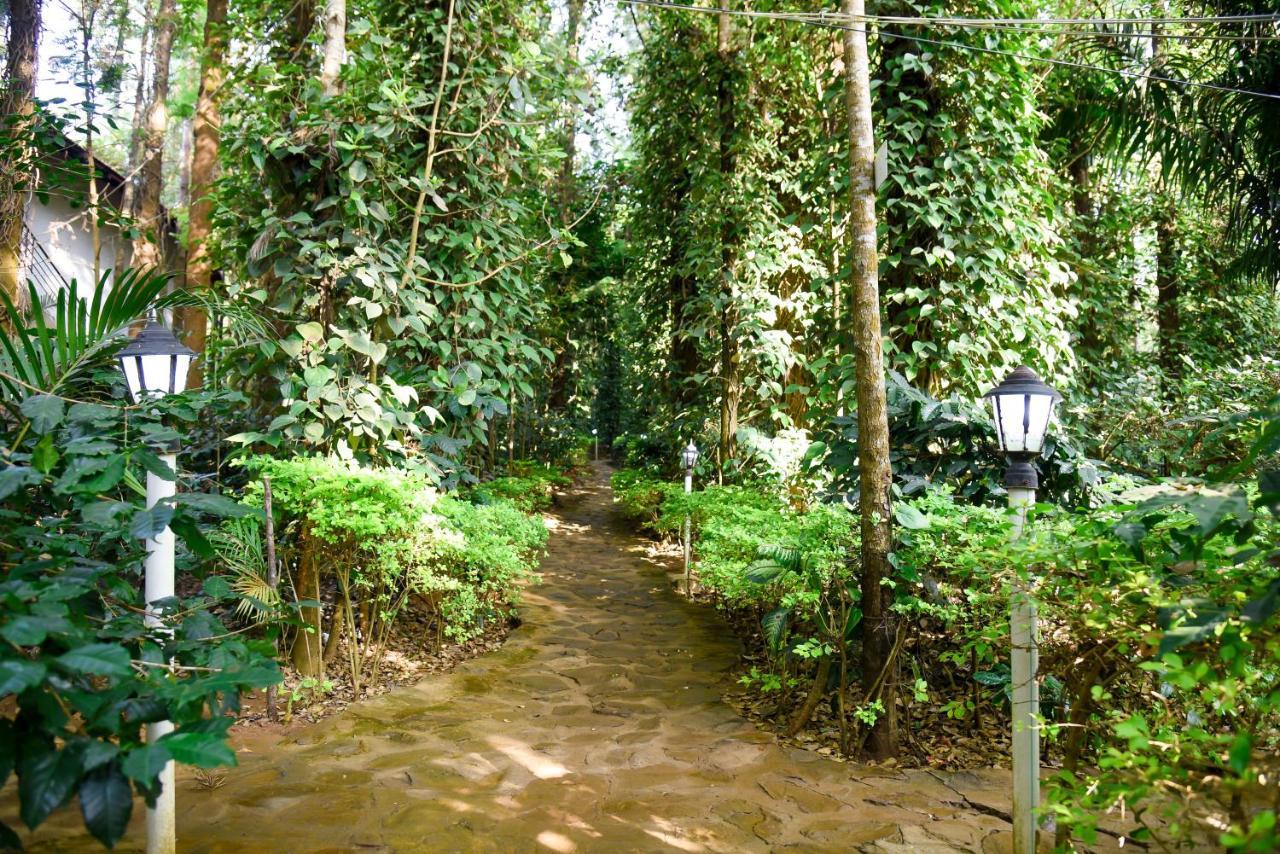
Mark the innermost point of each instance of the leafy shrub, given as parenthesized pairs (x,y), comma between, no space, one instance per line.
(494,554)
(83,670)
(1172,596)
(531,486)
(640,495)
(382,535)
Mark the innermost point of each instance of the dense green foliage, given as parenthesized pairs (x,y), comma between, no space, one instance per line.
(84,672)
(441,276)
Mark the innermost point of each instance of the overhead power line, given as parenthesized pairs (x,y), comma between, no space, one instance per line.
(831,24)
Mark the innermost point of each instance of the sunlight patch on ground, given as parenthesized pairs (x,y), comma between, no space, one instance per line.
(556,841)
(535,763)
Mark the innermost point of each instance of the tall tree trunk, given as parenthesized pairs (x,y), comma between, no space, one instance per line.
(16,118)
(335,45)
(146,246)
(730,354)
(204,164)
(561,387)
(137,138)
(1091,340)
(682,350)
(88,16)
(1168,286)
(568,184)
(878,630)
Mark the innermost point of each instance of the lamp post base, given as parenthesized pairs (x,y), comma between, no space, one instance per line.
(162,829)
(1024,662)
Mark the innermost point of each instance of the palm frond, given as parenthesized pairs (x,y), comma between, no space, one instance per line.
(238,543)
(47,354)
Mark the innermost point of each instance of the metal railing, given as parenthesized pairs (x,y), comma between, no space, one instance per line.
(39,268)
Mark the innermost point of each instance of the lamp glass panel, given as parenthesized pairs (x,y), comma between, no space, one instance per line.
(183,364)
(1039,409)
(129,365)
(155,374)
(1010,410)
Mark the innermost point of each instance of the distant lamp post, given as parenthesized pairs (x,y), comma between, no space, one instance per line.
(155,365)
(689,456)
(1021,407)
(595,437)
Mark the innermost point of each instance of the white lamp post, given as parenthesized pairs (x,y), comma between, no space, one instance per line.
(155,364)
(1022,406)
(689,456)
(595,437)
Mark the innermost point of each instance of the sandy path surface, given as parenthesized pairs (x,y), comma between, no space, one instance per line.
(597,727)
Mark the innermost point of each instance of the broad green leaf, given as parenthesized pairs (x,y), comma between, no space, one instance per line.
(774,625)
(202,749)
(45,456)
(17,675)
(106,802)
(310,331)
(909,517)
(46,781)
(45,411)
(13,478)
(97,659)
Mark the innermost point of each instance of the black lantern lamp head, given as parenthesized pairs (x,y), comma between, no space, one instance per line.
(1022,406)
(690,456)
(155,363)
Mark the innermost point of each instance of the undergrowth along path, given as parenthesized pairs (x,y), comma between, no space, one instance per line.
(598,726)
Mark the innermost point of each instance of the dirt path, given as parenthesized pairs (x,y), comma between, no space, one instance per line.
(597,727)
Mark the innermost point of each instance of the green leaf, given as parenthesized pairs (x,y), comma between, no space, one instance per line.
(46,781)
(144,763)
(45,456)
(97,659)
(910,517)
(13,478)
(311,331)
(106,802)
(359,171)
(764,571)
(202,749)
(1238,757)
(467,397)
(18,674)
(148,524)
(774,624)
(44,410)
(31,630)
(318,375)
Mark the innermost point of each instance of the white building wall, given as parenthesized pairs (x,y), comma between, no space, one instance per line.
(64,233)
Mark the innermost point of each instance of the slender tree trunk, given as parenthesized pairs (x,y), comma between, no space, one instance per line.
(878,628)
(335,46)
(307,653)
(1168,287)
(817,690)
(730,354)
(16,111)
(1091,340)
(568,182)
(88,15)
(273,573)
(204,166)
(146,246)
(682,359)
(561,386)
(137,138)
